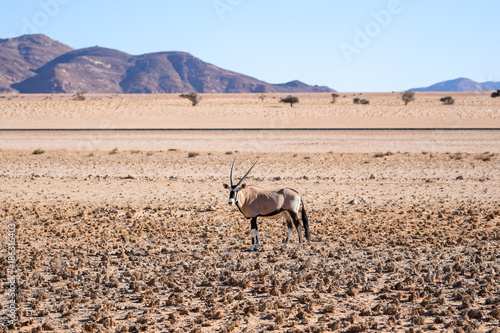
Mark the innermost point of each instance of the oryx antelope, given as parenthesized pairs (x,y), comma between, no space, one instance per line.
(254,202)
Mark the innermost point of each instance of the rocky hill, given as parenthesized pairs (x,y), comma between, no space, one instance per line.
(102,70)
(461,84)
(19,57)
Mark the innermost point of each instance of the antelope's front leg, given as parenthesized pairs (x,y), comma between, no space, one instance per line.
(255,235)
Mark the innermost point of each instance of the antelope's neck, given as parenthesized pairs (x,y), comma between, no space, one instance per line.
(240,200)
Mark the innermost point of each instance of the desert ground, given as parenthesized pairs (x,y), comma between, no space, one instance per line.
(130,231)
(386,110)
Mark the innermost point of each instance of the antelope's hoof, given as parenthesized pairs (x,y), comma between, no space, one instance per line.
(254,248)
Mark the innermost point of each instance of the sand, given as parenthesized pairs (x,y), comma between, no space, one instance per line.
(470,141)
(471,110)
(404,227)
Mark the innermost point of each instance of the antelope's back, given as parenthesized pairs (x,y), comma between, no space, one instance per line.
(291,199)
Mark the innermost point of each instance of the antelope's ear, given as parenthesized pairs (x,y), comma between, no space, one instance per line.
(226,186)
(243,185)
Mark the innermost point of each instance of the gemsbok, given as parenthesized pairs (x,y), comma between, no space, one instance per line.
(254,202)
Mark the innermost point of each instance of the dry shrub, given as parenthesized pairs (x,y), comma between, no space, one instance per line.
(389,153)
(485,157)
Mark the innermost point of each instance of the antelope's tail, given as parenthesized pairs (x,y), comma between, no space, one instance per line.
(305,221)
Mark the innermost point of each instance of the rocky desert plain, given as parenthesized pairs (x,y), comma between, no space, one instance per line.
(125,230)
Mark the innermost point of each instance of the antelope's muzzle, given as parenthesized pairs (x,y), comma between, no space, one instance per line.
(232,198)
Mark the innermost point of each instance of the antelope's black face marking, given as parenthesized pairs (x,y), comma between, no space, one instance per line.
(232,196)
(233,193)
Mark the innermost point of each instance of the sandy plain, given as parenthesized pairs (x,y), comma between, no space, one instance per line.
(130,231)
(386,110)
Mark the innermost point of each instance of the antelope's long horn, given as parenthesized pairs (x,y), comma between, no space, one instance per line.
(246,174)
(231,175)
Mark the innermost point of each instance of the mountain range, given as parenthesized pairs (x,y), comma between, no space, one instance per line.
(38,64)
(461,84)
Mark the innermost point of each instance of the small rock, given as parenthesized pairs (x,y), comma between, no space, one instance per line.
(353,202)
(372,176)
(475,314)
(460,178)
(277,178)
(47,327)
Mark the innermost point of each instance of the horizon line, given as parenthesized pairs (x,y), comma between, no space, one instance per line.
(249,129)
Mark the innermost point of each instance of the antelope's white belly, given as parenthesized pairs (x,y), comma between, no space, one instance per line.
(273,217)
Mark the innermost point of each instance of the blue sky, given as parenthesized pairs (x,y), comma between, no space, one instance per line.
(359,45)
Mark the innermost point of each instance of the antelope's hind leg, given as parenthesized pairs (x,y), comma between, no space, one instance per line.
(295,218)
(289,224)
(255,235)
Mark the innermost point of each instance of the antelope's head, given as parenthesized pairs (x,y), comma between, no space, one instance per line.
(233,189)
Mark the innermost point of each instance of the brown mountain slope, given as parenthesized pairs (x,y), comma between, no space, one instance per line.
(102,70)
(91,70)
(173,72)
(19,57)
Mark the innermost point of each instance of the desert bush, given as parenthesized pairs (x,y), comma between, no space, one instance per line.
(408,96)
(495,94)
(193,154)
(448,100)
(485,157)
(360,101)
(389,153)
(114,151)
(193,97)
(290,99)
(38,151)
(79,96)
(334,98)
(456,156)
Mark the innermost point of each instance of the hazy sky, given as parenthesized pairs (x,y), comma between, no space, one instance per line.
(358,45)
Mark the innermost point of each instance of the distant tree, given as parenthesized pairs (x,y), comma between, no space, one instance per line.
(193,97)
(364,101)
(448,100)
(262,94)
(79,96)
(334,98)
(290,99)
(356,100)
(495,94)
(408,96)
